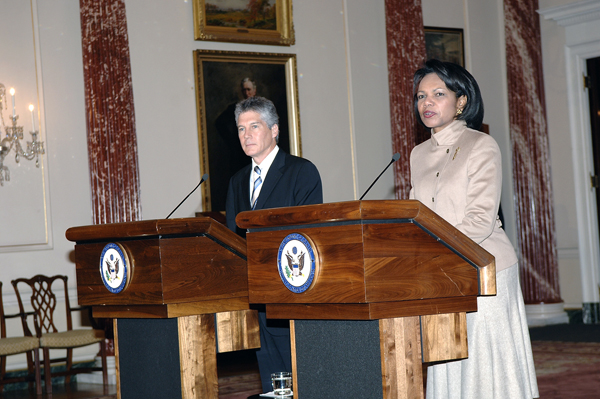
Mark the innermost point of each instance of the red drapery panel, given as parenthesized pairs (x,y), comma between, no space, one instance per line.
(112,144)
(406,54)
(531,159)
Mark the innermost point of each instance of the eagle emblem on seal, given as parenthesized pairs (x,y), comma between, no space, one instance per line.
(112,269)
(295,262)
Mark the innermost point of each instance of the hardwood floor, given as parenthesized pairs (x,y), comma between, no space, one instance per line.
(238,379)
(72,391)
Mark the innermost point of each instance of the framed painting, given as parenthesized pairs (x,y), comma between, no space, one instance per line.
(223,78)
(244,21)
(445,44)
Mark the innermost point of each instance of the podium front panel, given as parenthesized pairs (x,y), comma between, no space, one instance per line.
(145,287)
(340,273)
(361,262)
(403,262)
(164,271)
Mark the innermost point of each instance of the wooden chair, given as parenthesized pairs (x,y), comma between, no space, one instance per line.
(27,344)
(43,302)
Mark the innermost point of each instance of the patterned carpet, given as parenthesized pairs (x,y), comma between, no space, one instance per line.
(567,360)
(567,370)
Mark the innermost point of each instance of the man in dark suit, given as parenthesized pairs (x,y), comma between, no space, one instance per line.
(274,179)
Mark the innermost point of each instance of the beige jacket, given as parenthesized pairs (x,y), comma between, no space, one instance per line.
(458,175)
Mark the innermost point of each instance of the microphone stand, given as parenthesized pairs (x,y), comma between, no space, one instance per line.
(204,178)
(394,159)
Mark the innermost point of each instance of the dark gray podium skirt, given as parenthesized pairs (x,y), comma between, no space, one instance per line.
(149,358)
(338,359)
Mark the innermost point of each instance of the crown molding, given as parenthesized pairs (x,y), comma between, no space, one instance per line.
(574,13)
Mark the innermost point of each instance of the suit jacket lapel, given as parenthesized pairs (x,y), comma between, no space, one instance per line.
(246,190)
(271,180)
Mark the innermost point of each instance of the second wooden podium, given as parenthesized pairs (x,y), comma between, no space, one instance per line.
(374,289)
(178,289)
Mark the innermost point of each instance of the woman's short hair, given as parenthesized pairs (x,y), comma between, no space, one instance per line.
(458,80)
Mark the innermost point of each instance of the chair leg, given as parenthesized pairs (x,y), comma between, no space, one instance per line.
(47,372)
(2,371)
(69,365)
(104,366)
(38,379)
(30,366)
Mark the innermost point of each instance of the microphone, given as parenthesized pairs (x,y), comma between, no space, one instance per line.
(204,178)
(394,159)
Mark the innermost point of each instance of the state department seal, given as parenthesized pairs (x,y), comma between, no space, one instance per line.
(296,262)
(114,268)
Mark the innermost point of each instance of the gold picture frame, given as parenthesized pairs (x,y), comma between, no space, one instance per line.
(220,77)
(243,21)
(445,44)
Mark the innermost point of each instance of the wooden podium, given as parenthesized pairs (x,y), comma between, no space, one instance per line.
(184,298)
(391,285)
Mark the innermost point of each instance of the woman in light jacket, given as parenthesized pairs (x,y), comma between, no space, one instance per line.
(458,174)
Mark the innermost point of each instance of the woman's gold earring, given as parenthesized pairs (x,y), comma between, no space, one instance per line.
(458,111)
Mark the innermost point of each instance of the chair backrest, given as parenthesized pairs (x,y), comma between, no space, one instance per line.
(43,301)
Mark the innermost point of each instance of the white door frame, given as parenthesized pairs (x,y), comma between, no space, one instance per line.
(582,27)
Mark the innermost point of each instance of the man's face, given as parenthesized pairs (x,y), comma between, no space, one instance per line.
(248,90)
(256,138)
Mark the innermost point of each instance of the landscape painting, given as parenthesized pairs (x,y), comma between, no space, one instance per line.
(242,14)
(244,21)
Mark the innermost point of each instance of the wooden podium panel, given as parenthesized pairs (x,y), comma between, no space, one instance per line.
(370,253)
(194,260)
(393,261)
(188,285)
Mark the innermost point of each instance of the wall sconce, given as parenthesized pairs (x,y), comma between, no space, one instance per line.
(14,135)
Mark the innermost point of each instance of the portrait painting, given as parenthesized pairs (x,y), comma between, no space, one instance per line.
(244,21)
(222,80)
(445,44)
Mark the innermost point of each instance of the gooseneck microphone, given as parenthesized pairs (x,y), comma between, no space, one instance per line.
(204,178)
(394,159)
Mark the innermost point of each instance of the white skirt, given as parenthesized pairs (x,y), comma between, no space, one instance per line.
(500,363)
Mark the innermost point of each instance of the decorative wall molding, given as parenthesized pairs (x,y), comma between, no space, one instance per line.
(573,14)
(25,214)
(568,253)
(582,38)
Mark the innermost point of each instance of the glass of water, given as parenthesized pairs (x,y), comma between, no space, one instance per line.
(282,383)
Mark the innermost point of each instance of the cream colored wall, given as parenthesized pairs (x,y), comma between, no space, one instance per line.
(342,71)
(342,86)
(343,98)
(68,183)
(555,82)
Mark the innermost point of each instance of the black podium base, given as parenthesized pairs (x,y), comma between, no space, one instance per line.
(338,359)
(149,358)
